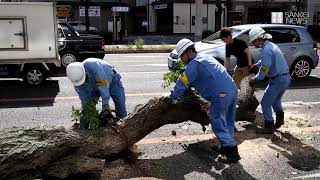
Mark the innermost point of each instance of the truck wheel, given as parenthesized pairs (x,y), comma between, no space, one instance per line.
(34,76)
(68,57)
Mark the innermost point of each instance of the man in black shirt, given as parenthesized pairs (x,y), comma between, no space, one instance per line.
(240,50)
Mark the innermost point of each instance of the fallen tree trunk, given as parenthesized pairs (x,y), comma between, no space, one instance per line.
(60,152)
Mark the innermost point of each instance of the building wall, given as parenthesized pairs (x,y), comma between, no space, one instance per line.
(260,7)
(181,18)
(152,18)
(184,17)
(314,12)
(141,2)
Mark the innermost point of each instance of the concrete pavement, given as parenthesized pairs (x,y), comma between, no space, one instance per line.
(292,152)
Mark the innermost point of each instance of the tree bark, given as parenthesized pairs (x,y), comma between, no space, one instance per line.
(60,152)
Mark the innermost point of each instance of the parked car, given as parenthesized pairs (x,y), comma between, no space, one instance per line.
(80,27)
(297,45)
(75,47)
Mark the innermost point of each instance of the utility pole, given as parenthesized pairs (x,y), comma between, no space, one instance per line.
(87,5)
(198,19)
(218,15)
(298,5)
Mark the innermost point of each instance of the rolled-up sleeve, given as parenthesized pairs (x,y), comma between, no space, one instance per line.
(265,64)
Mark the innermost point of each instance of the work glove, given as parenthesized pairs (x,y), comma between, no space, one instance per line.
(253,69)
(167,98)
(106,112)
(106,117)
(252,82)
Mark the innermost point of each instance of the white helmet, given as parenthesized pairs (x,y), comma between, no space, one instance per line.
(182,45)
(256,33)
(76,73)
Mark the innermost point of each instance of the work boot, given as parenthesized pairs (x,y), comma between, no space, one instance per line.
(279,119)
(219,149)
(268,128)
(231,155)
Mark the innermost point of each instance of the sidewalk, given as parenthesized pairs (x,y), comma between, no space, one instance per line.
(293,152)
(152,44)
(154,39)
(123,49)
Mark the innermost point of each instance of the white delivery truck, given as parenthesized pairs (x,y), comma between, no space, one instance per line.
(28,41)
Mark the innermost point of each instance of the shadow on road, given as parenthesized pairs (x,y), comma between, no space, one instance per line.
(300,156)
(15,94)
(197,158)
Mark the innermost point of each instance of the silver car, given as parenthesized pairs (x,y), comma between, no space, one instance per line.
(297,46)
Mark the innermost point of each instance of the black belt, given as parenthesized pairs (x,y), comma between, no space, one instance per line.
(279,75)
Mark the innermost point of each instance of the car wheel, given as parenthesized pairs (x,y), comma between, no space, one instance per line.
(301,68)
(67,58)
(34,76)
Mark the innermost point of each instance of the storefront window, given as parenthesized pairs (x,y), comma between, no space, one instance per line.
(316,18)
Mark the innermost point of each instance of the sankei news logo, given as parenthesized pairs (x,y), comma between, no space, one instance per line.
(292,17)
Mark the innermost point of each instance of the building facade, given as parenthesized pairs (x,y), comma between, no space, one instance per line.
(314,12)
(259,11)
(178,16)
(104,15)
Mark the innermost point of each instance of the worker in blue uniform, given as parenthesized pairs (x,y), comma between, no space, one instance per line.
(95,78)
(212,81)
(274,66)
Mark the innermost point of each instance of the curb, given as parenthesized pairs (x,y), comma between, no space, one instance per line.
(133,51)
(125,49)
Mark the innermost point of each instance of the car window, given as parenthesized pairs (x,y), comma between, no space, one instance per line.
(60,32)
(215,38)
(245,38)
(283,35)
(68,32)
(73,24)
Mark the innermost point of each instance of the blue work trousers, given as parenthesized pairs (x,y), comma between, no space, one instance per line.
(222,117)
(273,94)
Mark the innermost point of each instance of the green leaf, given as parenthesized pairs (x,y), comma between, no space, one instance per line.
(75,114)
(171,77)
(91,113)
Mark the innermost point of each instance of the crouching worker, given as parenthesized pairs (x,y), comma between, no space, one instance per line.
(95,78)
(212,81)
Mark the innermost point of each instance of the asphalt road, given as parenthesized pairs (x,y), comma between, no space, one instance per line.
(187,155)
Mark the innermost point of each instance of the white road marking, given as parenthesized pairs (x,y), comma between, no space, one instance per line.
(135,61)
(307,176)
(5,100)
(296,104)
(143,56)
(145,72)
(156,65)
